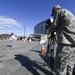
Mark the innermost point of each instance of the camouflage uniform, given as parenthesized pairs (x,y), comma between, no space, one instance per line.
(64,22)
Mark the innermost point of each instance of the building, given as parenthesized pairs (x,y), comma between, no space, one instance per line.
(40,28)
(41,31)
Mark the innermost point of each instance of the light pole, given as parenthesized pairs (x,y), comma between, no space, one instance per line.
(24,30)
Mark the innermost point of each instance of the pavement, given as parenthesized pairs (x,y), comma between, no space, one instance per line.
(24,59)
(7,52)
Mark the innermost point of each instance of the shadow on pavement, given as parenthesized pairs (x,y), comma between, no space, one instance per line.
(9,46)
(48,61)
(31,65)
(36,51)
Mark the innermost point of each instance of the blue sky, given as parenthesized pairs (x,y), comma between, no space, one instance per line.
(17,14)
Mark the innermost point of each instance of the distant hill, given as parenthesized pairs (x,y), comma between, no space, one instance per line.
(4,36)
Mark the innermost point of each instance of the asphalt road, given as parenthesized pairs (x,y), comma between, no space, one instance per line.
(24,59)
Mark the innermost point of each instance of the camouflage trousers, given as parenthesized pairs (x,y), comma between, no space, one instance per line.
(64,60)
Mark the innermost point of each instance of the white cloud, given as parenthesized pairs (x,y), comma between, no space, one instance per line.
(12,31)
(3,31)
(6,22)
(1,27)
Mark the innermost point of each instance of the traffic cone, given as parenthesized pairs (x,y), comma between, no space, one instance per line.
(42,49)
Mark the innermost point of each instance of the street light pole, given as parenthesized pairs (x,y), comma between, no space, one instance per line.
(24,30)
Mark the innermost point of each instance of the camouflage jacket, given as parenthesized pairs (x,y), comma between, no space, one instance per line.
(64,23)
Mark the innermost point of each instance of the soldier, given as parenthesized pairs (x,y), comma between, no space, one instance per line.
(64,23)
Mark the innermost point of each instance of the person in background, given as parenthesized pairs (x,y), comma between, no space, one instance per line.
(64,24)
(13,38)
